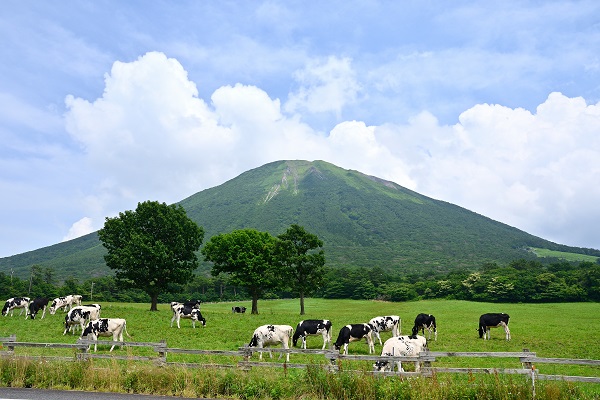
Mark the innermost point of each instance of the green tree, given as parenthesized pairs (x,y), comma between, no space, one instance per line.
(152,247)
(303,260)
(248,256)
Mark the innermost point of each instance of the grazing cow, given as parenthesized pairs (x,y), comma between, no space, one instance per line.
(493,320)
(267,335)
(385,324)
(106,327)
(238,309)
(352,333)
(65,302)
(16,302)
(404,346)
(181,311)
(39,303)
(425,321)
(79,315)
(310,327)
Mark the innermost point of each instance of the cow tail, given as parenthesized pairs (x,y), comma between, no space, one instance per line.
(125,329)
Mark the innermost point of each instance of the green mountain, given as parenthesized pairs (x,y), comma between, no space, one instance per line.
(363,221)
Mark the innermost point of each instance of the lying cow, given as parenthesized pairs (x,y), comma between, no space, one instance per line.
(385,324)
(425,321)
(65,302)
(181,311)
(106,327)
(353,333)
(493,320)
(16,302)
(238,309)
(268,335)
(80,315)
(403,346)
(39,303)
(312,327)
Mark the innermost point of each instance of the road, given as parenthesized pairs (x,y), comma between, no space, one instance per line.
(41,394)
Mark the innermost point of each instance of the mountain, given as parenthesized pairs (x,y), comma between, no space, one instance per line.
(363,221)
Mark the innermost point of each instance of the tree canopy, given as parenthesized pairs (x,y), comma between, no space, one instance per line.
(152,247)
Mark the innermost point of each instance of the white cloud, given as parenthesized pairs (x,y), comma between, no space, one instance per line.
(80,228)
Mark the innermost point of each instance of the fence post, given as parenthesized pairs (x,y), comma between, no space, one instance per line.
(162,352)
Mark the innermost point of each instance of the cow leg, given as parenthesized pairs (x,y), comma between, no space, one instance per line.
(378,337)
(325,336)
(345,348)
(43,312)
(303,342)
(506,331)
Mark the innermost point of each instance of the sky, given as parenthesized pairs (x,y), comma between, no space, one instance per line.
(492,106)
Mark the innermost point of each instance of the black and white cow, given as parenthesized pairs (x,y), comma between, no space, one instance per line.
(268,335)
(238,309)
(493,320)
(425,321)
(16,302)
(39,303)
(313,327)
(80,315)
(106,327)
(404,346)
(353,333)
(181,311)
(385,324)
(65,302)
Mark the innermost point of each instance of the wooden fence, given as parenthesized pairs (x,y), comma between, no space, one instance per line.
(334,360)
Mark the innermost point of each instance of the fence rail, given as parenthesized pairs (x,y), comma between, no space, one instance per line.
(528,359)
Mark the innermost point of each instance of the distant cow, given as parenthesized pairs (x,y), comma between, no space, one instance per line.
(402,346)
(268,335)
(425,321)
(39,303)
(311,327)
(493,320)
(238,309)
(181,311)
(106,327)
(79,315)
(65,302)
(352,333)
(385,324)
(16,302)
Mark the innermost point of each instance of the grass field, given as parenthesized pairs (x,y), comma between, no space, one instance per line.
(551,330)
(571,257)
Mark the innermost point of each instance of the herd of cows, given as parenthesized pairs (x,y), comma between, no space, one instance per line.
(87,318)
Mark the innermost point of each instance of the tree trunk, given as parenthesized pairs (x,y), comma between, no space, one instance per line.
(254,303)
(302,303)
(153,306)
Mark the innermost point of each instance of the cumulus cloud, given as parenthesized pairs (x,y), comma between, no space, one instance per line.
(80,228)
(152,137)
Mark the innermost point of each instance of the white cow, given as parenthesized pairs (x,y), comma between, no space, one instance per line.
(181,311)
(79,315)
(106,327)
(16,302)
(65,302)
(385,324)
(267,335)
(404,346)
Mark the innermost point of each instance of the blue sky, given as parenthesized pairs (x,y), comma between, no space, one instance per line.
(494,107)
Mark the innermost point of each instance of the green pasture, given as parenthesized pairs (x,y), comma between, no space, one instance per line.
(551,330)
(562,255)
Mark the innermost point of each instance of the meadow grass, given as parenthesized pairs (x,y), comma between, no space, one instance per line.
(563,255)
(563,330)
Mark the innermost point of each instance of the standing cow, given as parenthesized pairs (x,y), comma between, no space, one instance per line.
(385,324)
(16,302)
(402,346)
(238,309)
(106,327)
(39,303)
(425,321)
(181,311)
(65,302)
(310,327)
(79,315)
(268,335)
(493,320)
(353,333)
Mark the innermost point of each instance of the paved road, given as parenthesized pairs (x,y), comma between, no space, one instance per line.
(40,394)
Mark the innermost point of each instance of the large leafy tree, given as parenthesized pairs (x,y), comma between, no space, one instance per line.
(152,247)
(303,259)
(248,256)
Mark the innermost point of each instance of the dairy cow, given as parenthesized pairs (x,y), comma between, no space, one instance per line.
(385,324)
(425,321)
(353,333)
(106,327)
(79,315)
(65,302)
(268,335)
(39,303)
(403,346)
(238,309)
(16,302)
(493,320)
(312,327)
(181,311)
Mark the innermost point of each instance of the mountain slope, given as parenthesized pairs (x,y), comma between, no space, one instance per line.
(362,220)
